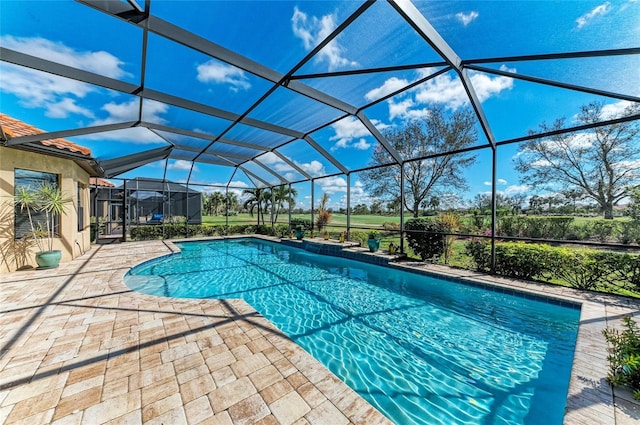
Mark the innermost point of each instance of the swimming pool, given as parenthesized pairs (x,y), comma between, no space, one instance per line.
(422,350)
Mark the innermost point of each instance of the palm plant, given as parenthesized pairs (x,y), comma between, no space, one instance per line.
(282,194)
(47,199)
(231,201)
(257,200)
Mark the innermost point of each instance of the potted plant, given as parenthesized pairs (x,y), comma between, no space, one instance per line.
(342,237)
(392,248)
(374,241)
(326,235)
(299,232)
(50,200)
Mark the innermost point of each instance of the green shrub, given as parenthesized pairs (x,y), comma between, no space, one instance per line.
(579,232)
(625,268)
(261,229)
(359,236)
(559,226)
(373,234)
(536,227)
(241,229)
(524,260)
(624,356)
(390,226)
(511,225)
(426,238)
(305,223)
(629,232)
(582,268)
(479,250)
(555,227)
(604,230)
(282,231)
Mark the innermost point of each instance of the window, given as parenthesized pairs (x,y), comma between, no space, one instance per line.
(80,203)
(31,179)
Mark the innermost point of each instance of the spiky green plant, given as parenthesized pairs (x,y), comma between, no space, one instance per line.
(48,199)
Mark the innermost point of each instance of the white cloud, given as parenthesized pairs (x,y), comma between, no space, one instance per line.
(65,107)
(362,145)
(541,163)
(486,86)
(99,62)
(236,184)
(600,10)
(181,165)
(351,128)
(58,96)
(332,185)
(573,141)
(312,30)
(516,189)
(338,185)
(445,89)
(313,168)
(278,165)
(614,110)
(36,89)
(467,18)
(404,110)
(128,111)
(391,85)
(136,135)
(499,182)
(221,73)
(450,92)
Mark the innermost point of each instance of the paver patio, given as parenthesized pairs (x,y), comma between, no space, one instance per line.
(78,347)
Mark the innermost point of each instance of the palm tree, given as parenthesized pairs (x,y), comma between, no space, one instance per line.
(282,194)
(257,199)
(231,200)
(218,202)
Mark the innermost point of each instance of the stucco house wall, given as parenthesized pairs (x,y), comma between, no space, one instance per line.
(16,254)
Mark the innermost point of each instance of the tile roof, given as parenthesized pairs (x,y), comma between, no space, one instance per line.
(97,181)
(16,128)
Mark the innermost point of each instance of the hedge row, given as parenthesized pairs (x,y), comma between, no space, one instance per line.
(558,227)
(581,268)
(171,231)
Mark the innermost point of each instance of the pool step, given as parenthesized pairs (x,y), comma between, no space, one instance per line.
(350,250)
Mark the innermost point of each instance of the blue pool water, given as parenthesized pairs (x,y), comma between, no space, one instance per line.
(422,350)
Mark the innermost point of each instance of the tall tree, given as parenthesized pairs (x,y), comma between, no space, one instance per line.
(281,195)
(231,201)
(256,200)
(433,134)
(603,163)
(572,196)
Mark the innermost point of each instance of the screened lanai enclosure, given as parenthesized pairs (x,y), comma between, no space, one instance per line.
(144,202)
(408,105)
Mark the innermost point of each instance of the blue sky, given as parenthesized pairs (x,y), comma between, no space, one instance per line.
(278,34)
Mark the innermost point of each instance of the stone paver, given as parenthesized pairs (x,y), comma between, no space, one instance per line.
(78,347)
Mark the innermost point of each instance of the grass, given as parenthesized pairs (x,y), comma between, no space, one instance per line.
(340,220)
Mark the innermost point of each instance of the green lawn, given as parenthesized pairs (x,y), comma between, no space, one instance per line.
(337,220)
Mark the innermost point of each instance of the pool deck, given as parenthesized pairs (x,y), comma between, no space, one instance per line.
(78,347)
